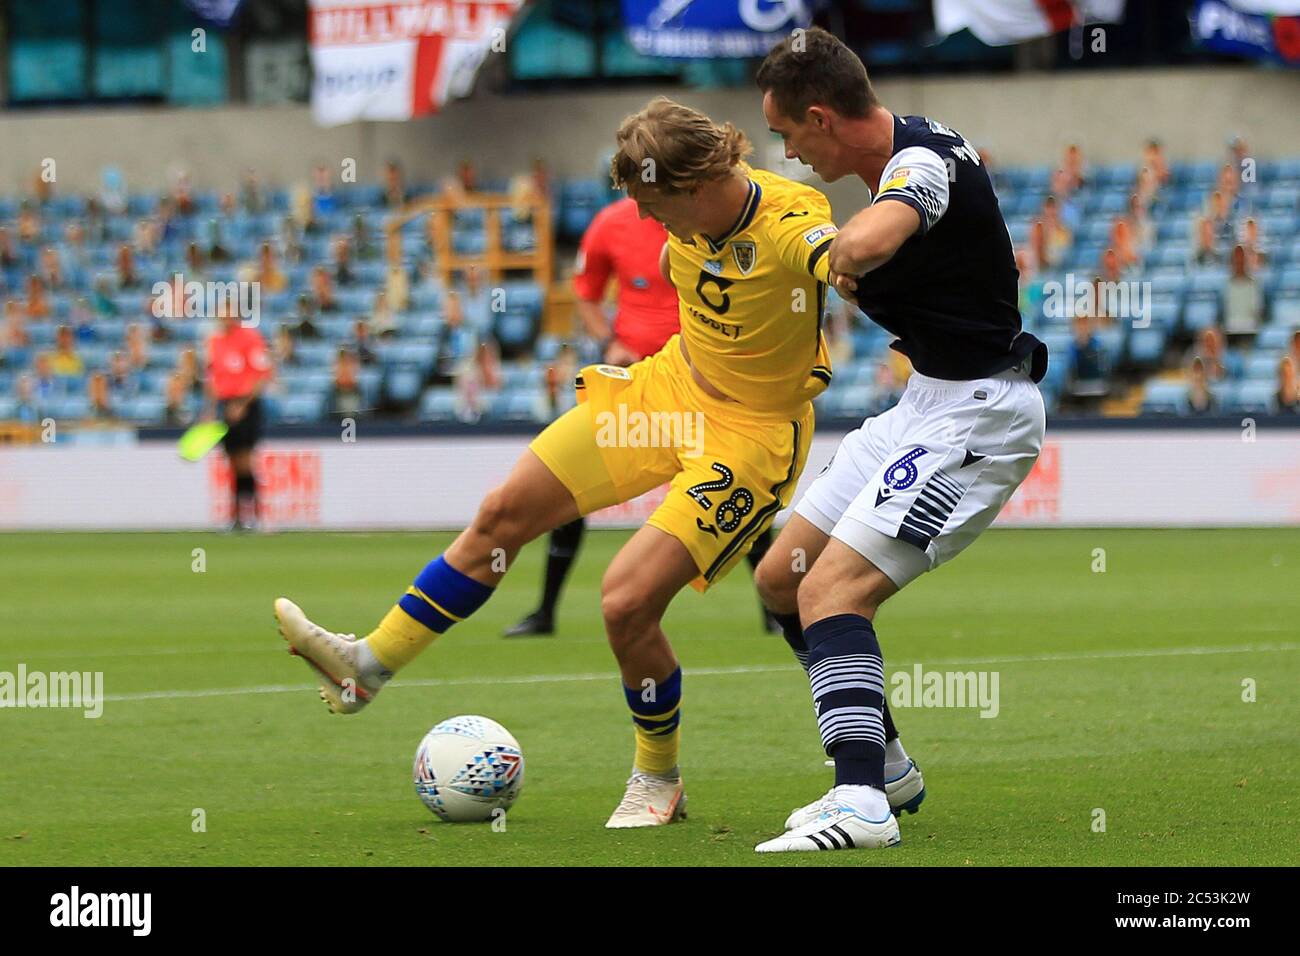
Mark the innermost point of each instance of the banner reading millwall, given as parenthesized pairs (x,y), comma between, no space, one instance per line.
(378,60)
(712,28)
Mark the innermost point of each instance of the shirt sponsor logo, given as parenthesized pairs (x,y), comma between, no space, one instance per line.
(814,236)
(897,179)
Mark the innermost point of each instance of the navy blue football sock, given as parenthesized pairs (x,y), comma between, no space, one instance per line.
(847,676)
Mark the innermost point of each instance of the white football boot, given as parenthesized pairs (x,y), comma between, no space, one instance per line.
(840,826)
(905,789)
(649,801)
(336,658)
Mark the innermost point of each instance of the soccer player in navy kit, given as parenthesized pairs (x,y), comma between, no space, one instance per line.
(930,260)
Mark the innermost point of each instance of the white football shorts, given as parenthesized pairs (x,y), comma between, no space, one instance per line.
(913,486)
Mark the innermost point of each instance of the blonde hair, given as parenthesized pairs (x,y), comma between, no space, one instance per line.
(674,148)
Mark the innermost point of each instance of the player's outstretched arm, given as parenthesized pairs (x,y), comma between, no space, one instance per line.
(870,239)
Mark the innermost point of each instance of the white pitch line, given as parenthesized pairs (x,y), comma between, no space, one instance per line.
(712,671)
(274,647)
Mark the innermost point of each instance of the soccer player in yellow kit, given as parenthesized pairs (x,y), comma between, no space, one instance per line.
(723,412)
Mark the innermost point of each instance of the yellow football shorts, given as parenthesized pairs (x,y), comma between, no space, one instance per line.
(731,469)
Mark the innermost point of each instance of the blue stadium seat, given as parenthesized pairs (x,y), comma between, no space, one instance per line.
(1174,228)
(423,327)
(1207,280)
(438,405)
(415,355)
(1171,253)
(1262,366)
(315,352)
(468,243)
(1200,312)
(426,296)
(41,334)
(515,330)
(1286,309)
(1274,337)
(1278,225)
(1165,398)
(1283,197)
(1095,231)
(1252,398)
(520,406)
(1280,169)
(1289,279)
(403,385)
(546,348)
(1164,311)
(1112,344)
(69,406)
(1167,282)
(1146,347)
(519,237)
(142,408)
(1118,177)
(304,407)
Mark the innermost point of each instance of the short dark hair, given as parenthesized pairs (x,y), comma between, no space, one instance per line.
(811,67)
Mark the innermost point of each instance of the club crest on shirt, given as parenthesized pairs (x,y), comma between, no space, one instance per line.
(744,253)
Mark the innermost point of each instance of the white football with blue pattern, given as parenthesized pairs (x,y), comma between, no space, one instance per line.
(468,769)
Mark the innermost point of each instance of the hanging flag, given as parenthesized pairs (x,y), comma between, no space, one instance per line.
(378,60)
(1001,22)
(1254,28)
(712,28)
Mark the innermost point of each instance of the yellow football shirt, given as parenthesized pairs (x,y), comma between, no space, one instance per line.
(751,300)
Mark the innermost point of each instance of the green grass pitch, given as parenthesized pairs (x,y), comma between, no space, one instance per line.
(1120,691)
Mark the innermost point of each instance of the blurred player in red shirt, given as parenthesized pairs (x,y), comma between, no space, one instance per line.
(238,369)
(621,244)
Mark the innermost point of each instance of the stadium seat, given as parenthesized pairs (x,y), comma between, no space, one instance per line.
(1286,309)
(1167,281)
(1165,398)
(1207,280)
(438,405)
(1200,312)
(521,406)
(1146,347)
(305,407)
(143,408)
(1274,337)
(1289,279)
(1252,397)
(1262,366)
(426,296)
(403,386)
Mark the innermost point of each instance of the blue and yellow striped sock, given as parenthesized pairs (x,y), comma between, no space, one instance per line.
(657,724)
(440,597)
